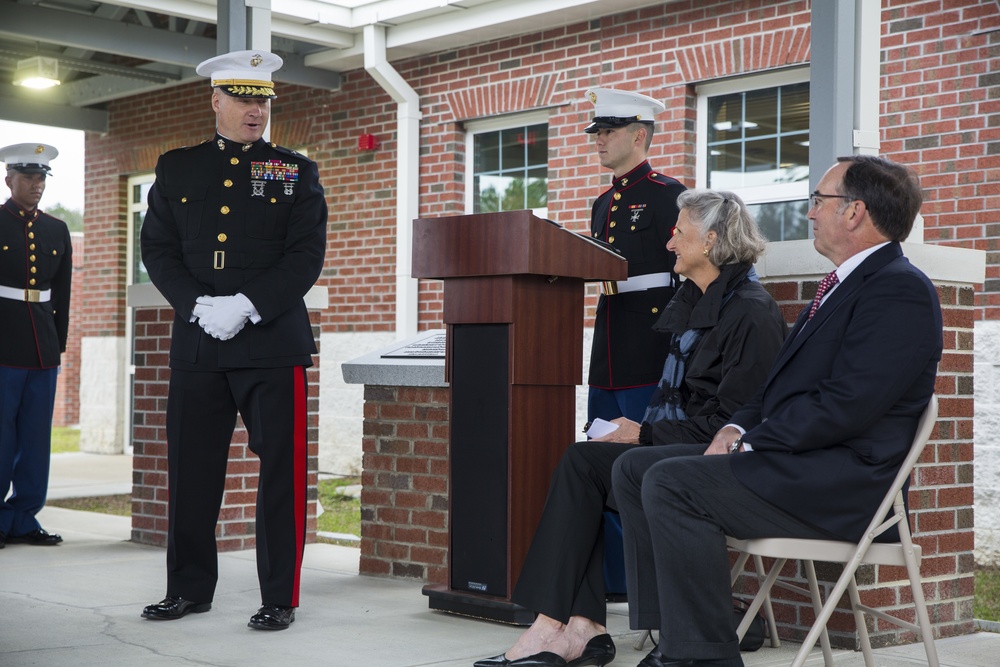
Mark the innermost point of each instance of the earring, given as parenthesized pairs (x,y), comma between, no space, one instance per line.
(705,252)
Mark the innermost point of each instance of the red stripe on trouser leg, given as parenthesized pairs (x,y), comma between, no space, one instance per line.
(301,450)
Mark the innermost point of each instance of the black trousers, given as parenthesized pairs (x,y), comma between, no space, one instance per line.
(201,417)
(563,573)
(677,507)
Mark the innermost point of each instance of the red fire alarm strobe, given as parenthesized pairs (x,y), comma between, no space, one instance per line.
(367,142)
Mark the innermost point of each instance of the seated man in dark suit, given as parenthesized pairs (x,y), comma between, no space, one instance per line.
(816,448)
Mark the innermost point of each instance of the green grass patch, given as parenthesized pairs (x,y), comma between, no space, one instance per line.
(341,514)
(986,604)
(120,505)
(65,440)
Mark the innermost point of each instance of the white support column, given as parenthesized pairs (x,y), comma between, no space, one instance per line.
(231,26)
(867,71)
(832,91)
(258,34)
(258,24)
(844,74)
(407,171)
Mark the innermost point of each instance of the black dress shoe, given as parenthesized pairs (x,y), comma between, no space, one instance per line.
(272,617)
(3,539)
(173,607)
(38,538)
(496,661)
(599,651)
(543,659)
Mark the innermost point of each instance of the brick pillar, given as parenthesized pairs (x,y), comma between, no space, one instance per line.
(235,530)
(404,496)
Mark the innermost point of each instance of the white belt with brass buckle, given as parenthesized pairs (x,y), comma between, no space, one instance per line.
(30,295)
(638,283)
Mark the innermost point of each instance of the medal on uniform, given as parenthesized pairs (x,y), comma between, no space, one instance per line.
(274,170)
(636,211)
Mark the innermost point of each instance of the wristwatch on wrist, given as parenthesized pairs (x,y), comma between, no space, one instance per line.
(735,447)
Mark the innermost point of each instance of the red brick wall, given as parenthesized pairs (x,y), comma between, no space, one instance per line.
(404,529)
(235,530)
(941,114)
(404,483)
(937,115)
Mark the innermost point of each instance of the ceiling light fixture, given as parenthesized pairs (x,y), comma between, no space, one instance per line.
(37,72)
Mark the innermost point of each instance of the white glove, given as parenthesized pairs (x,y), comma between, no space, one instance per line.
(201,307)
(222,317)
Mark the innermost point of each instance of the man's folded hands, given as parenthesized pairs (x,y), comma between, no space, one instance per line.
(222,317)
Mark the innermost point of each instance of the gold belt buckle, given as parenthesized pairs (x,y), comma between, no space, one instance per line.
(610,287)
(33,295)
(219,259)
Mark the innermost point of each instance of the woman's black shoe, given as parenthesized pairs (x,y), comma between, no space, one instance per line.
(599,651)
(496,661)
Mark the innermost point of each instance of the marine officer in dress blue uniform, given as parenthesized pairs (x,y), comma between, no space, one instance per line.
(36,273)
(636,216)
(234,237)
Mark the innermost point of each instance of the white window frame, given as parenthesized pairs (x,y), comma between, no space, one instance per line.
(505,122)
(133,208)
(758,194)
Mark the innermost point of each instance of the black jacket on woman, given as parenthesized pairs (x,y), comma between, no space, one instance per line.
(742,335)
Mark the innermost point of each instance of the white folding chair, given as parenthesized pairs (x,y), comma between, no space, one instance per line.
(902,554)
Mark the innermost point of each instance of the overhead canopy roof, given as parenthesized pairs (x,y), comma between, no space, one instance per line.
(119,48)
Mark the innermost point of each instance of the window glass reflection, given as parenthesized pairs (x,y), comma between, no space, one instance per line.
(511,169)
(782,221)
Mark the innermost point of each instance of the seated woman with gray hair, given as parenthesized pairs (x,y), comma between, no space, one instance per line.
(725,330)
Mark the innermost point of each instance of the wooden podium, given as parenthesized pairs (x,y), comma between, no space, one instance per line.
(513,307)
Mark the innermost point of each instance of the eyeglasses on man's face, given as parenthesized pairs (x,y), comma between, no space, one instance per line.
(816,198)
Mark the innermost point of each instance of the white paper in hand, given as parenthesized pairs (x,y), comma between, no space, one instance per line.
(600,428)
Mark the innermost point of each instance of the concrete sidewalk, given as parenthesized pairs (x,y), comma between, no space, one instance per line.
(78,603)
(79,475)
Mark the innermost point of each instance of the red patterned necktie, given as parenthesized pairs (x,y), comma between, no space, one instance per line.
(829,281)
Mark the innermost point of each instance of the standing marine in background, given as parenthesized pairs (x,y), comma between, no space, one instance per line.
(636,216)
(234,237)
(36,274)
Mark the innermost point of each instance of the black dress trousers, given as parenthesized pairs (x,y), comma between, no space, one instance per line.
(563,573)
(677,507)
(201,416)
